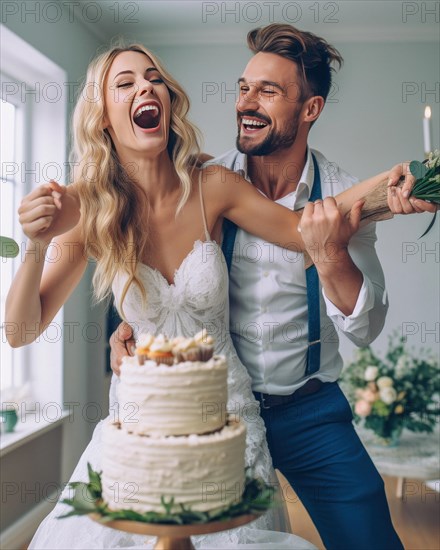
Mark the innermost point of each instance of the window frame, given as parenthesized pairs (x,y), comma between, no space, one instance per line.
(23,123)
(31,69)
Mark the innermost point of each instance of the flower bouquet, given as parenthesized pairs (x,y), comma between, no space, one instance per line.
(426,187)
(397,392)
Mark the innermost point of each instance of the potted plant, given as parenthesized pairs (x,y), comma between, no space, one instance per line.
(8,248)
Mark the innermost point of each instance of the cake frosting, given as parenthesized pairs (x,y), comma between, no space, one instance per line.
(172,438)
(187,398)
(203,472)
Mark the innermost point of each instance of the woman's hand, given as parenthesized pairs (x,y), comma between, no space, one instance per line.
(399,200)
(48,211)
(326,232)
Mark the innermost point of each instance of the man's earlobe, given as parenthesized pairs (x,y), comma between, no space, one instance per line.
(314,108)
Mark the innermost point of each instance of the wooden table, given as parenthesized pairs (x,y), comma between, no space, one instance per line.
(416,457)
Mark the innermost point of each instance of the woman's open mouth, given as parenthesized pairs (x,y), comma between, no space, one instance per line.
(147,116)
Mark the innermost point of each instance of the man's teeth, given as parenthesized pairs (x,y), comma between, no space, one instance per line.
(145,108)
(249,122)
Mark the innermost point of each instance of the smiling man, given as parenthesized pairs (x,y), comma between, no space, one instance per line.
(283,324)
(284,319)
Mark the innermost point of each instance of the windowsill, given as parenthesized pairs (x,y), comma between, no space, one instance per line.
(28,430)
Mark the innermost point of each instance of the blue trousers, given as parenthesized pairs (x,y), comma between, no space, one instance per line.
(314,445)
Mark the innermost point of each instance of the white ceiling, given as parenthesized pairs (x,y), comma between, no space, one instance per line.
(173,22)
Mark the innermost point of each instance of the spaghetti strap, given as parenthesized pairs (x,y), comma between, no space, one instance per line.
(202,205)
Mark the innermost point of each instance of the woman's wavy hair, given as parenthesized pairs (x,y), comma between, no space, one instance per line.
(114,208)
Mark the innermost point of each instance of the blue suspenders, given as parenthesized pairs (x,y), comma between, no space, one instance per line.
(229,234)
(312,280)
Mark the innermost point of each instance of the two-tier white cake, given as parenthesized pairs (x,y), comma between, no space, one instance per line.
(173,438)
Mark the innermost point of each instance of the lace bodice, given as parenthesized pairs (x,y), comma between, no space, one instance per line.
(197,298)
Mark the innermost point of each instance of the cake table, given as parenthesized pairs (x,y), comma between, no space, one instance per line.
(416,457)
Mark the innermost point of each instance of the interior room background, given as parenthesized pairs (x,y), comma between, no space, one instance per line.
(372,120)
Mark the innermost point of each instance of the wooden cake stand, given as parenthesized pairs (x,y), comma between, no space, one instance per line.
(175,537)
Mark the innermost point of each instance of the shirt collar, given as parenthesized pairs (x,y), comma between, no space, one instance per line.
(241,165)
(305,184)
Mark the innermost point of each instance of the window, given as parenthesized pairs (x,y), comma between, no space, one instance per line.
(11,151)
(33,149)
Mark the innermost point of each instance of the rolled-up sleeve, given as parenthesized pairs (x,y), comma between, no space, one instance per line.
(368,317)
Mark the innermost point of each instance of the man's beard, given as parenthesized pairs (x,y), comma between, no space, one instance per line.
(274,141)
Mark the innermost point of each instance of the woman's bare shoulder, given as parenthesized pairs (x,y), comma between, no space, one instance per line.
(216,178)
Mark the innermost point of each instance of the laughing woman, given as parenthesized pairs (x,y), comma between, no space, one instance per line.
(140,206)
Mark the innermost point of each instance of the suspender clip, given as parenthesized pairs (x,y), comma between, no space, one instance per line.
(314,342)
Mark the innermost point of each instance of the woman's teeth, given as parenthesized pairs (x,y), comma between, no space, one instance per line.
(145,108)
(147,116)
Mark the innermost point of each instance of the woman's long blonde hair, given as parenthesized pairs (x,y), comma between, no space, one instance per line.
(114,209)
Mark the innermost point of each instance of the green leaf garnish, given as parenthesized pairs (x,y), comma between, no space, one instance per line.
(87,498)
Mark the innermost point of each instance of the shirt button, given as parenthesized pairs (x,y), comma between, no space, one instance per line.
(266,274)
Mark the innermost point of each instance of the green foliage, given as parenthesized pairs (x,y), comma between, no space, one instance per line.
(8,248)
(257,498)
(427,186)
(402,393)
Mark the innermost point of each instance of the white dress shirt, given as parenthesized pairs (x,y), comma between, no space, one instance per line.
(268,294)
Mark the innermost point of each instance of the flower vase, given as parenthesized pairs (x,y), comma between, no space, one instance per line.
(10,419)
(389,440)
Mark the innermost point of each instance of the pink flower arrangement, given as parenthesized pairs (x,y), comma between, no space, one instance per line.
(362,408)
(399,391)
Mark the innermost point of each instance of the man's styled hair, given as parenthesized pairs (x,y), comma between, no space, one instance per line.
(312,54)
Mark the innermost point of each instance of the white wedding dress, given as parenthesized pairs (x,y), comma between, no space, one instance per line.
(197,298)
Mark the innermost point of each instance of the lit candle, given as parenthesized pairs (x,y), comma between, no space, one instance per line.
(427,130)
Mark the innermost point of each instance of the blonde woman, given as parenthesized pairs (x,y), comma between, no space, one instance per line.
(152,220)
